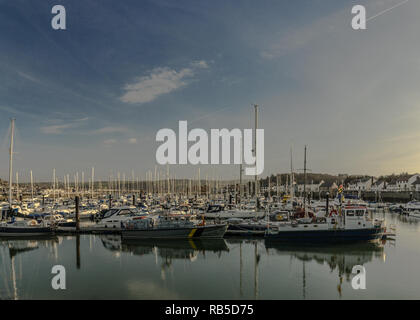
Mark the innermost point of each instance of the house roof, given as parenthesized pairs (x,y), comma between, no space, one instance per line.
(377,183)
(328,184)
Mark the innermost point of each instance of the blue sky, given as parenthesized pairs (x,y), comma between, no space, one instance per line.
(97,93)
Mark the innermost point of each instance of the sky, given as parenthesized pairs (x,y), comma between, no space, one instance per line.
(95,94)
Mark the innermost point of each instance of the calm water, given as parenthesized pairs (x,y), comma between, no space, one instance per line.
(102,267)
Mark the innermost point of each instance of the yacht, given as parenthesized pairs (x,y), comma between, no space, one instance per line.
(114,217)
(351,225)
(24,228)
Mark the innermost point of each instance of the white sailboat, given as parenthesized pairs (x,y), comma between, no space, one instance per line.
(11,227)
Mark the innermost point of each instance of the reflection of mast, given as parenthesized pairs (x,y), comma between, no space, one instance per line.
(240,269)
(304,280)
(339,286)
(78,251)
(15,295)
(256,272)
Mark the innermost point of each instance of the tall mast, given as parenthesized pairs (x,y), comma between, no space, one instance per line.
(12,132)
(240,172)
(54,184)
(32,186)
(304,184)
(17,186)
(255,148)
(93,178)
(291,175)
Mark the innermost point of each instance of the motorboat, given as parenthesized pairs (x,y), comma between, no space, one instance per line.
(157,227)
(350,224)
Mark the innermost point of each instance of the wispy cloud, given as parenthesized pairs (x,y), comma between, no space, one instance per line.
(56,129)
(106,130)
(29,77)
(109,141)
(160,81)
(60,128)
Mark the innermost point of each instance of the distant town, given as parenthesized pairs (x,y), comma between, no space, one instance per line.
(395,187)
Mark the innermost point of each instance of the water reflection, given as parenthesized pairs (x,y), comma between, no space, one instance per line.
(13,247)
(168,249)
(339,258)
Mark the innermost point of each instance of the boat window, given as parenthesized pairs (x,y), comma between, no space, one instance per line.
(360,213)
(110,213)
(350,213)
(124,212)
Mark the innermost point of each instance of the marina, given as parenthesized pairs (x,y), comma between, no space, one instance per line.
(234,267)
(209,150)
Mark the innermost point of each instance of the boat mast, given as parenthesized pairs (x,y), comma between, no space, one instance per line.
(93,178)
(32,186)
(255,148)
(291,175)
(12,131)
(304,184)
(240,173)
(54,185)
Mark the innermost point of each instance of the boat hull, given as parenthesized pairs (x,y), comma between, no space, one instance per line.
(201,232)
(25,232)
(246,229)
(328,236)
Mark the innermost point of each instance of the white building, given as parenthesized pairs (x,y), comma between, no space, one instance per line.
(361,185)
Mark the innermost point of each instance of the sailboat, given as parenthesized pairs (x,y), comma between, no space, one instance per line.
(19,227)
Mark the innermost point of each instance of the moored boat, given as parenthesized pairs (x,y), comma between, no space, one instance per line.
(170,228)
(352,225)
(24,228)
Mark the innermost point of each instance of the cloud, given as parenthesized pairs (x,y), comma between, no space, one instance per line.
(59,128)
(29,77)
(55,129)
(109,130)
(110,141)
(160,81)
(200,64)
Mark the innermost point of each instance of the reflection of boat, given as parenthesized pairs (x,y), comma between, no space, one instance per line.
(111,242)
(342,257)
(214,245)
(179,248)
(18,246)
(24,244)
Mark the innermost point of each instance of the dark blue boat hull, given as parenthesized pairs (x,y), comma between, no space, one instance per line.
(328,236)
(13,232)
